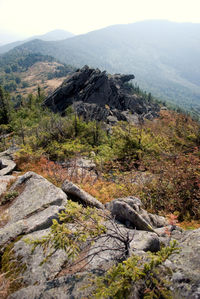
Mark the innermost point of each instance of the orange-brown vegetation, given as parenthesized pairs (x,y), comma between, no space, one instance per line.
(157,161)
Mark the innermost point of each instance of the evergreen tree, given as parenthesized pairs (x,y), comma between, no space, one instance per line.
(4,107)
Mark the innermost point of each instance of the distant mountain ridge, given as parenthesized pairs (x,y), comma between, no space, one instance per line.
(54,35)
(164,56)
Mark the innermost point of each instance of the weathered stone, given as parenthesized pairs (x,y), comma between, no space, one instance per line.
(4,181)
(6,166)
(9,153)
(38,203)
(186,265)
(145,241)
(77,194)
(37,194)
(11,231)
(39,221)
(68,287)
(129,211)
(100,96)
(85,163)
(37,271)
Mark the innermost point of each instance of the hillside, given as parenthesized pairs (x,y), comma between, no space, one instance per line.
(97,202)
(164,56)
(21,72)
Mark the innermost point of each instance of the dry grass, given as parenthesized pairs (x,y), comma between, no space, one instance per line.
(37,76)
(5,284)
(98,187)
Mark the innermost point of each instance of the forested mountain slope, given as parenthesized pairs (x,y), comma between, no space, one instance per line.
(164,56)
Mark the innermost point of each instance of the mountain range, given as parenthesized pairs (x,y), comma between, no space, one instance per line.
(164,56)
(54,35)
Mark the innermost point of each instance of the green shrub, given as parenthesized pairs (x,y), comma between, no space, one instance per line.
(119,281)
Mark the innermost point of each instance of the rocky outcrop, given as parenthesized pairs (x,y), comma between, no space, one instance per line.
(6,166)
(30,216)
(186,265)
(77,194)
(100,96)
(67,287)
(37,203)
(36,270)
(129,211)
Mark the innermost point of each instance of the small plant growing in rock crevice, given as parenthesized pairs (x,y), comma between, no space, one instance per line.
(78,230)
(8,197)
(11,271)
(145,277)
(76,225)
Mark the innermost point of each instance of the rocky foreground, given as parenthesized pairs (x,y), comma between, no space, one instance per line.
(96,95)
(29,216)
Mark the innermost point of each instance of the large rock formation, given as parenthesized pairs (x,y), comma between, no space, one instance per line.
(97,95)
(129,211)
(77,194)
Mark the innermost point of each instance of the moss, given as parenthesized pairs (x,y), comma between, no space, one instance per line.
(8,197)
(12,268)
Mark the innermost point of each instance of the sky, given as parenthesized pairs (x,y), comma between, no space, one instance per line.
(25,18)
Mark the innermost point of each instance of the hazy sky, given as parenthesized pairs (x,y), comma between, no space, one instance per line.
(31,17)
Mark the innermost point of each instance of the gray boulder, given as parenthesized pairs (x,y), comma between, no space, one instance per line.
(186,265)
(37,271)
(129,211)
(37,204)
(77,194)
(6,166)
(145,241)
(71,286)
(100,257)
(36,195)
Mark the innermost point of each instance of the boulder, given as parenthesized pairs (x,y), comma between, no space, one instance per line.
(129,211)
(36,195)
(145,241)
(37,204)
(77,194)
(100,96)
(38,271)
(103,254)
(186,265)
(6,166)
(45,281)
(67,287)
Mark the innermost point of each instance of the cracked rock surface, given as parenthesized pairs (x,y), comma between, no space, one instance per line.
(37,204)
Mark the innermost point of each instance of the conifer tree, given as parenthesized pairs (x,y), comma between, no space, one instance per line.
(4,107)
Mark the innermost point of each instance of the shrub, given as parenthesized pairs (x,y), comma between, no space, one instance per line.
(120,280)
